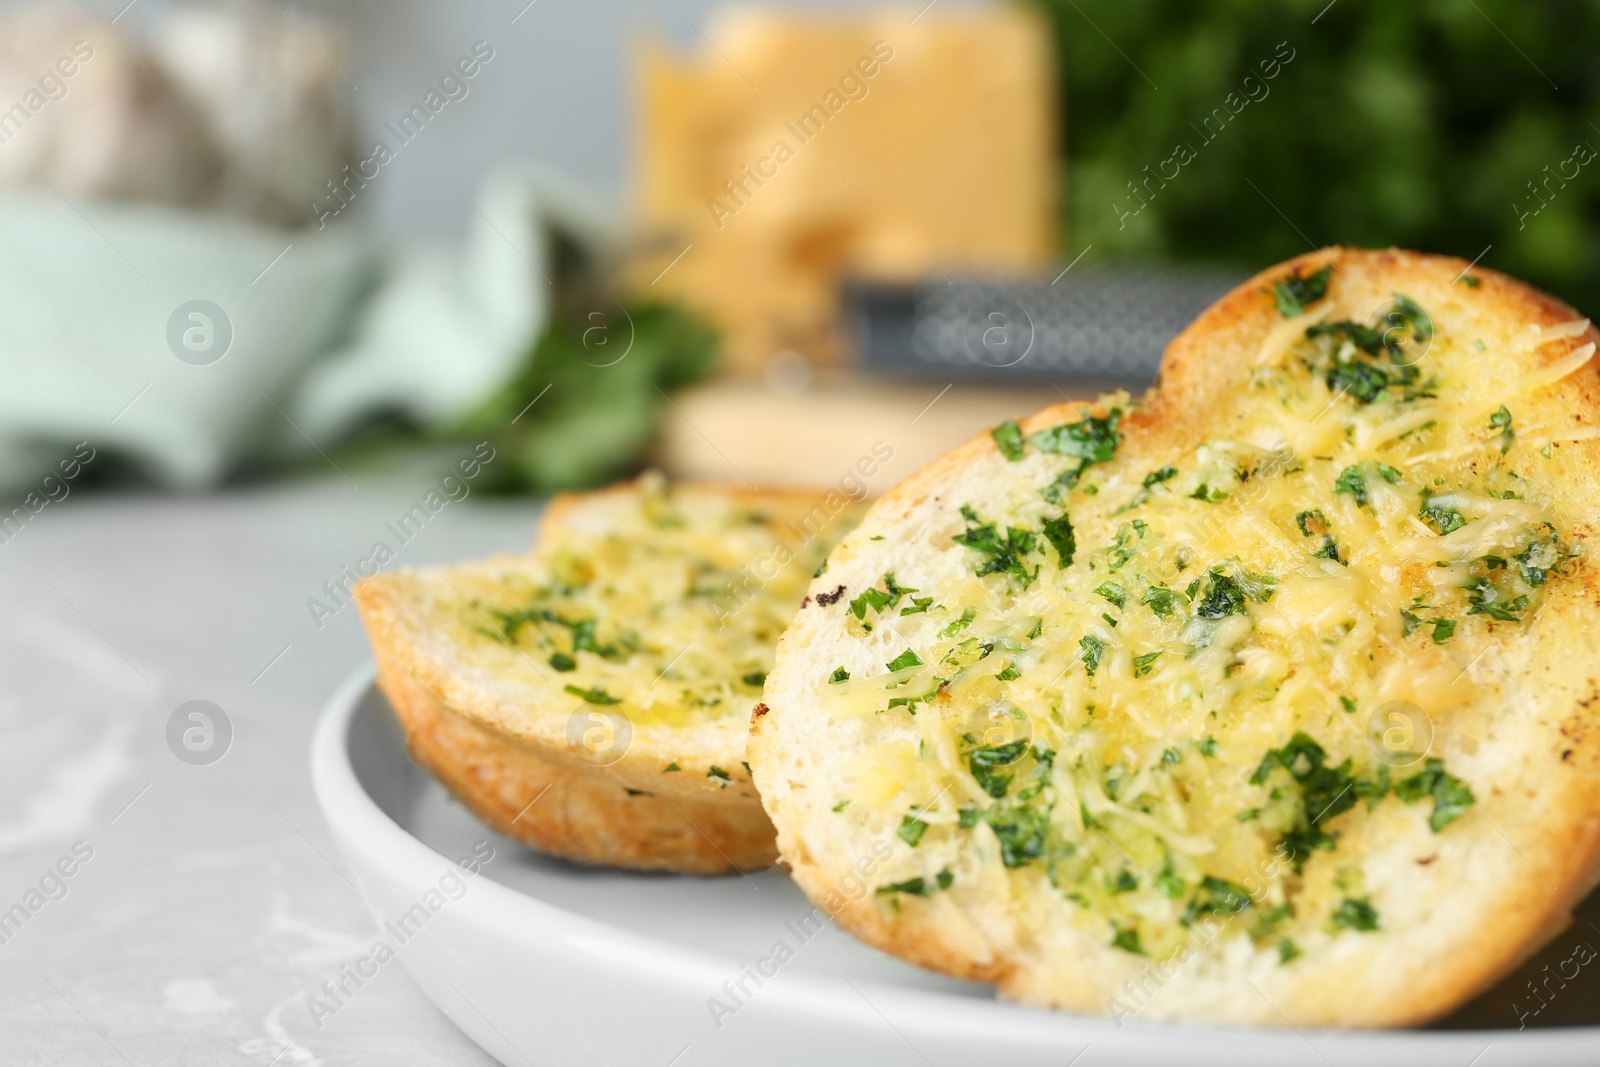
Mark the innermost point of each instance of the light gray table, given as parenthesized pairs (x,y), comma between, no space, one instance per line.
(212,903)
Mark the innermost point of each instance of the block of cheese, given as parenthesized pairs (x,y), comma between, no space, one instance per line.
(799,149)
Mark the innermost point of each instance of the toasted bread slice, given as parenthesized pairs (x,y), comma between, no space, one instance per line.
(592,698)
(1271,699)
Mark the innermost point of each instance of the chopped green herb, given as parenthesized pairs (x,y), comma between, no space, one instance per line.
(1160,600)
(911,830)
(944,878)
(1325,793)
(1155,478)
(1501,421)
(1207,494)
(1092,439)
(1472,281)
(670,767)
(1451,796)
(1011,673)
(1348,705)
(955,627)
(1442,517)
(1207,746)
(916,887)
(1352,484)
(1093,648)
(719,773)
(1143,665)
(755,678)
(1287,950)
(1124,882)
(1485,598)
(905,659)
(918,605)
(1355,915)
(839,675)
(1311,523)
(1008,437)
(1126,938)
(1443,630)
(1058,531)
(1171,756)
(1216,897)
(841,805)
(989,761)
(1004,553)
(563,662)
(1113,592)
(1294,292)
(594,696)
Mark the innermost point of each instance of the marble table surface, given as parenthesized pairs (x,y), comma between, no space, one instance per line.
(165,910)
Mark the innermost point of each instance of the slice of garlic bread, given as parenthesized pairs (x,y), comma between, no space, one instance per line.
(1270,699)
(591,698)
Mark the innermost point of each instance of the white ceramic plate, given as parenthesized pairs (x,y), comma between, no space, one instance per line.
(540,961)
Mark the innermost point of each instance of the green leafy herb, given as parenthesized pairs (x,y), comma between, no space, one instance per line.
(594,696)
(563,662)
(1004,553)
(1143,665)
(1113,592)
(1443,630)
(1160,600)
(1058,531)
(1093,649)
(1216,897)
(1008,436)
(1011,673)
(958,625)
(718,773)
(1207,746)
(989,763)
(1155,478)
(1351,483)
(1311,523)
(839,675)
(1171,756)
(1442,517)
(905,659)
(916,887)
(1126,938)
(670,767)
(918,605)
(1485,598)
(1451,796)
(1355,915)
(1092,439)
(1295,292)
(1287,950)
(911,830)
(1501,421)
(755,678)
(1325,793)
(841,805)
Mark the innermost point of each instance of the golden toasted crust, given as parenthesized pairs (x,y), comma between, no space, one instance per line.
(1541,820)
(504,750)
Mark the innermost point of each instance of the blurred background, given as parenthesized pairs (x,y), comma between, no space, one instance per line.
(305,235)
(275,275)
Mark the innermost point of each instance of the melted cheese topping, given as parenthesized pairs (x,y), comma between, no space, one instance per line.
(1122,714)
(665,605)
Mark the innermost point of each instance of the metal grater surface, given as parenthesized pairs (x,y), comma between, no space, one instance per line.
(1104,324)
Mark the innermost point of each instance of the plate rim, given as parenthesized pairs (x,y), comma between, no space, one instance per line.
(349,810)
